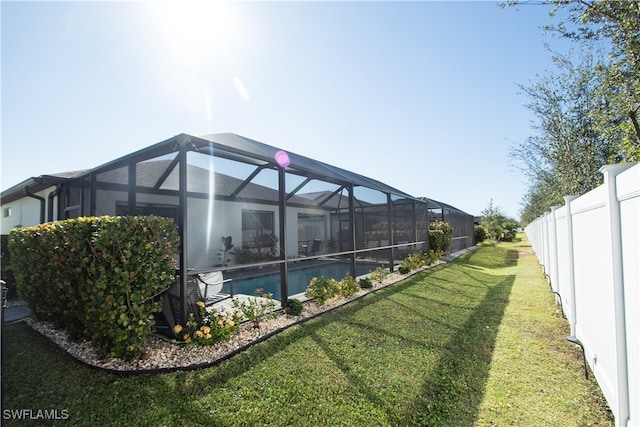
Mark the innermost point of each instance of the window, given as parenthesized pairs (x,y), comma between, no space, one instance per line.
(6,213)
(310,227)
(257,229)
(168,211)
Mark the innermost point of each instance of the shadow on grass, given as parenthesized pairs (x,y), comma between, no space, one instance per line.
(453,395)
(455,313)
(452,392)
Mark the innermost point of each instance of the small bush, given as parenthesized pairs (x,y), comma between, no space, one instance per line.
(322,290)
(435,255)
(365,283)
(440,234)
(403,269)
(348,286)
(479,234)
(417,260)
(257,310)
(294,307)
(379,274)
(214,327)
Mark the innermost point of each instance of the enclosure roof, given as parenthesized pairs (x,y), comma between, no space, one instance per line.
(227,145)
(236,147)
(304,165)
(435,204)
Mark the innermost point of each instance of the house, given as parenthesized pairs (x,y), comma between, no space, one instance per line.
(281,210)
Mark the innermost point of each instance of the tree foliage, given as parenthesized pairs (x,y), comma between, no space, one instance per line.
(587,110)
(618,23)
(497,225)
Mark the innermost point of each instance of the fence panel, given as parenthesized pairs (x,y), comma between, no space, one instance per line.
(628,195)
(594,287)
(564,261)
(590,250)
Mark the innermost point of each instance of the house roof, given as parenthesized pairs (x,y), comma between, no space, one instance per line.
(38,183)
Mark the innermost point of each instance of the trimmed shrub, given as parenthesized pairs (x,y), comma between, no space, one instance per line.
(5,272)
(440,234)
(294,307)
(100,278)
(365,283)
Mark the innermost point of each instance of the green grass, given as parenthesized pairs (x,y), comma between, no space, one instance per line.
(477,341)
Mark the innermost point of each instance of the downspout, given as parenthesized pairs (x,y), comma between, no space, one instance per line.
(42,203)
(52,195)
(610,172)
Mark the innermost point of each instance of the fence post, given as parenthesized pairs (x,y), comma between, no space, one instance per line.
(572,281)
(553,255)
(613,209)
(545,243)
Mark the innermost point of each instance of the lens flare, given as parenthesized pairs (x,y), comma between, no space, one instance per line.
(282,158)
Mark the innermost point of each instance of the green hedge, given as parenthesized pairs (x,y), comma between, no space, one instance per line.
(99,278)
(440,234)
(5,273)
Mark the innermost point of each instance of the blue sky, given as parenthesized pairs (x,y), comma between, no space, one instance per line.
(420,95)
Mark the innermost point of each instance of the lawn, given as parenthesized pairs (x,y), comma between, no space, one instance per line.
(477,341)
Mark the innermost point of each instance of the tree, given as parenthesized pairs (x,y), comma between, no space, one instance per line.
(496,222)
(618,22)
(540,197)
(588,112)
(565,154)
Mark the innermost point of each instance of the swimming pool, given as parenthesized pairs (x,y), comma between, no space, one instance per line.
(299,278)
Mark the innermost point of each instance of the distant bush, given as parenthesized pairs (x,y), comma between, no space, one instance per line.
(479,234)
(440,235)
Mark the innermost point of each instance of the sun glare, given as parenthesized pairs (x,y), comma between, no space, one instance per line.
(197,30)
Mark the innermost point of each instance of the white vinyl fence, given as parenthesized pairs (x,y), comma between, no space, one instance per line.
(590,251)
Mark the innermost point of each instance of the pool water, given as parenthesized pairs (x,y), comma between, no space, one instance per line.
(298,279)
